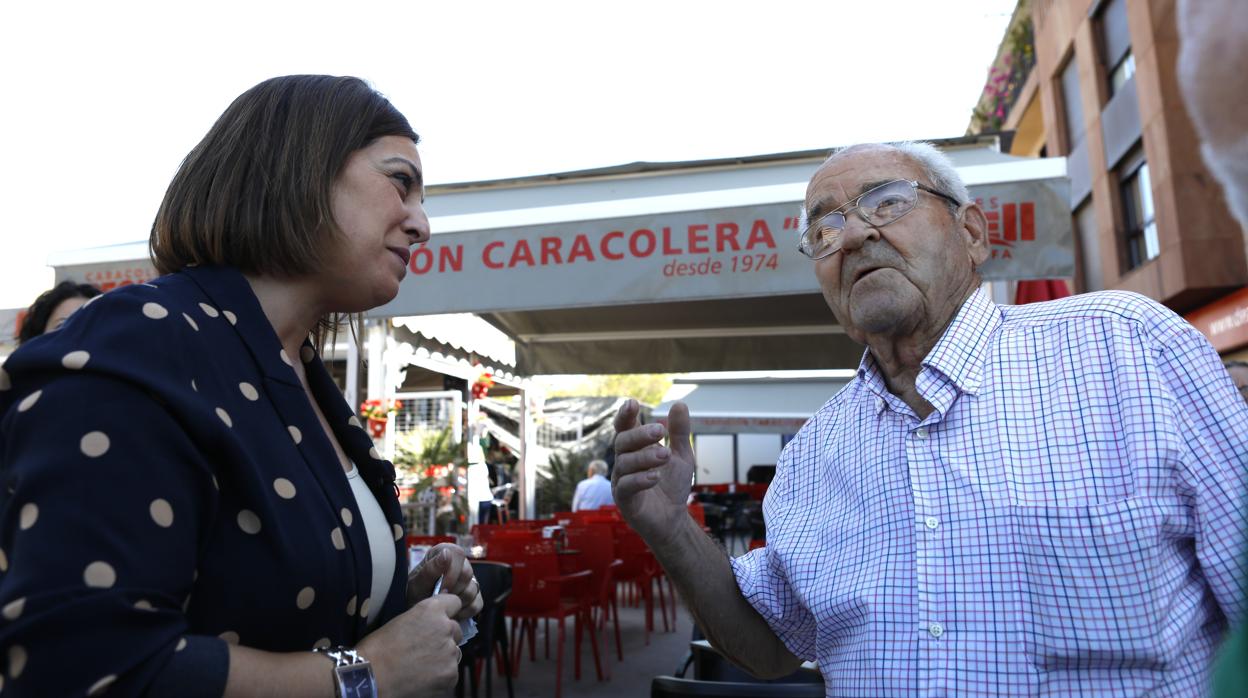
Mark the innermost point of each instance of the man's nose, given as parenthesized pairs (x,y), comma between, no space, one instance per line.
(856,232)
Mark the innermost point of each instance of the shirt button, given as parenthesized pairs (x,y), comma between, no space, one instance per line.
(920,433)
(879,404)
(936,630)
(932,522)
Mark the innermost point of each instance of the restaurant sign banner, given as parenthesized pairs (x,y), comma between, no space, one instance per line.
(691,255)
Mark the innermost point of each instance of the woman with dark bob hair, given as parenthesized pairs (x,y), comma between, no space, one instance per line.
(190,508)
(53,307)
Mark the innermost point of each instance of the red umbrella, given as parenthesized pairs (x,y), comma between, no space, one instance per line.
(1038,290)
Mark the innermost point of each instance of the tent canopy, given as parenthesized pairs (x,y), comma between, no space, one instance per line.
(766,405)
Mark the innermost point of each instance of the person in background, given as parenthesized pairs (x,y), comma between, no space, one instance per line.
(1213,76)
(595,490)
(53,307)
(190,507)
(1036,500)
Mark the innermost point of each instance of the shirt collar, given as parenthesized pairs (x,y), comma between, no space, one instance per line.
(232,295)
(959,354)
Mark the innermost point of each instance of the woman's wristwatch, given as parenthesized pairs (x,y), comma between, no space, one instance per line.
(353,674)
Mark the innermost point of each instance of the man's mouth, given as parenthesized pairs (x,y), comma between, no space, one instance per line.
(865,271)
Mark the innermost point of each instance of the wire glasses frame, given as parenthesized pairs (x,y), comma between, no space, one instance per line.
(878,206)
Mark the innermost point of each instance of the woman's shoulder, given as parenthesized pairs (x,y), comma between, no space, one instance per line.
(141,333)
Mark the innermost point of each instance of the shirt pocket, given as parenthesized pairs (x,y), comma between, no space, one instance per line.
(1090,586)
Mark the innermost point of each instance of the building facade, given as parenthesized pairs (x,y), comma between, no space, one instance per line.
(1096,81)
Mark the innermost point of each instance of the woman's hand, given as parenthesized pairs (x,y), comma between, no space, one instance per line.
(449,563)
(417,653)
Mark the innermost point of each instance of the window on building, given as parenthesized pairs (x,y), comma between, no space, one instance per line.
(1115,40)
(1072,107)
(1138,216)
(1089,245)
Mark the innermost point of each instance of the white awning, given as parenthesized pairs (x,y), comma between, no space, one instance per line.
(751,405)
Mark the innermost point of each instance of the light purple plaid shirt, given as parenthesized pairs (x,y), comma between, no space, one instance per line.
(1067,521)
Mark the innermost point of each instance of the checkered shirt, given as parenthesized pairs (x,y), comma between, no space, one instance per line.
(1067,521)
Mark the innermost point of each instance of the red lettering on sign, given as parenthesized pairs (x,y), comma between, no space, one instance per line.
(422,260)
(487,259)
(452,259)
(605,245)
(550,248)
(1007,213)
(637,236)
(726,236)
(581,248)
(697,242)
(522,253)
(1027,211)
(667,243)
(760,234)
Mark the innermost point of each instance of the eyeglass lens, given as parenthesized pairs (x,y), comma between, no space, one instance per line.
(880,206)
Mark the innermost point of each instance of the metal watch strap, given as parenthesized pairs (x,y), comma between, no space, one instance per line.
(342,656)
(353,674)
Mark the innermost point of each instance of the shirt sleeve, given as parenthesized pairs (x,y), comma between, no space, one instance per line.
(762,574)
(105,497)
(1213,420)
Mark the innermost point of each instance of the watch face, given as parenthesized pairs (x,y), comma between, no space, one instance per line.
(356,681)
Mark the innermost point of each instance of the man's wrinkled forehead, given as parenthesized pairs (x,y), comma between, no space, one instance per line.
(852,172)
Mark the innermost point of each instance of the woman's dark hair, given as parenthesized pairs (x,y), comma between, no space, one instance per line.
(36,320)
(255,193)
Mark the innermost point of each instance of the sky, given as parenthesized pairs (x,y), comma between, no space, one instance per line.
(103,100)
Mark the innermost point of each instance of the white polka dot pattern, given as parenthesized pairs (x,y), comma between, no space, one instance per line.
(364,608)
(355,422)
(28,516)
(249,391)
(29,401)
(351,606)
(5,382)
(13,609)
(181,645)
(102,685)
(347,518)
(75,360)
(230,316)
(208,310)
(284,488)
(249,522)
(398,532)
(335,537)
(94,444)
(191,321)
(321,643)
(4,561)
(162,513)
(144,605)
(225,417)
(193,386)
(155,311)
(99,575)
(295,434)
(305,598)
(17,661)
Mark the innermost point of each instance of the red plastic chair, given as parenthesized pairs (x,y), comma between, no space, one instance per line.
(597,552)
(641,570)
(538,591)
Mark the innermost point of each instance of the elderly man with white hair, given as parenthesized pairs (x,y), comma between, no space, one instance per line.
(594,492)
(1040,500)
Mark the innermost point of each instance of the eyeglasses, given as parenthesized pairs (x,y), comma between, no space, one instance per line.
(878,207)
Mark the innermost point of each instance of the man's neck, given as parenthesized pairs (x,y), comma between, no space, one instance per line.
(901,358)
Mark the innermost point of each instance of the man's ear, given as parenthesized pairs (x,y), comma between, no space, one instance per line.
(975,233)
